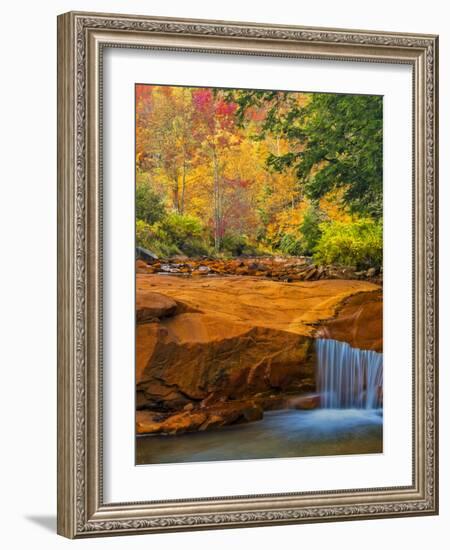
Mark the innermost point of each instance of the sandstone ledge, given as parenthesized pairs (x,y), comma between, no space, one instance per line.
(219,350)
(294,307)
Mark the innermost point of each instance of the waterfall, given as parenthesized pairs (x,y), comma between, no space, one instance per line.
(348,378)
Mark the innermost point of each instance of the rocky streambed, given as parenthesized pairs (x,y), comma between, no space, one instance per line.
(278,268)
(221,350)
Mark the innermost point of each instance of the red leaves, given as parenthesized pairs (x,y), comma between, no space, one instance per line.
(213,109)
(203,98)
(225,109)
(143,92)
(257,114)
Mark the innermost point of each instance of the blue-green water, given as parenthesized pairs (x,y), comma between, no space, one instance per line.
(287,433)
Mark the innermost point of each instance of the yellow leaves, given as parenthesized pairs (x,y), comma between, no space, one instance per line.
(234,140)
(287,221)
(202,163)
(331,205)
(303,99)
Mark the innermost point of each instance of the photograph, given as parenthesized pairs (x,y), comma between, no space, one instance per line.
(259,274)
(247,289)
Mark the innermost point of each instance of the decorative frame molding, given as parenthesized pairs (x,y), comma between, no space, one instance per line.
(81,38)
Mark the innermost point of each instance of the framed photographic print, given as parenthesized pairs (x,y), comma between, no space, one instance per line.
(247,284)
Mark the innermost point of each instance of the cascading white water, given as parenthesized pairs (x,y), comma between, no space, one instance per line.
(348,378)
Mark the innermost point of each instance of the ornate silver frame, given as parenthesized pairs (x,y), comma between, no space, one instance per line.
(81,38)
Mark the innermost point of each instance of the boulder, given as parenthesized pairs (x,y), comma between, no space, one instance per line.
(310,273)
(358,321)
(304,402)
(152,305)
(234,412)
(144,254)
(141,266)
(176,423)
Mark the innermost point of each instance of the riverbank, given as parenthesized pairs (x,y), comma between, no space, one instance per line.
(278,268)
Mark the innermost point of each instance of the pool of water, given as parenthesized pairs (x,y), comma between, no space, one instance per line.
(288,433)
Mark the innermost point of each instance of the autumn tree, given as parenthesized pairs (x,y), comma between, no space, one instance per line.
(335,142)
(256,172)
(216,132)
(164,136)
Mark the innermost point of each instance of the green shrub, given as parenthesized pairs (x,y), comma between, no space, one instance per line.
(237,245)
(181,227)
(311,230)
(150,237)
(291,244)
(357,244)
(149,204)
(300,239)
(174,234)
(187,233)
(143,234)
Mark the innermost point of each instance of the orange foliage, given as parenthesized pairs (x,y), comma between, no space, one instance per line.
(203,163)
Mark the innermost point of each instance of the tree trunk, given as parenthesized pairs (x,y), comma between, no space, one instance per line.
(216,203)
(175,195)
(183,185)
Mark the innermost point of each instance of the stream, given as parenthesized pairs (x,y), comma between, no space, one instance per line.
(349,421)
(285,433)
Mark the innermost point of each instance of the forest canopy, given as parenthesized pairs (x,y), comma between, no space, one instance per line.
(224,172)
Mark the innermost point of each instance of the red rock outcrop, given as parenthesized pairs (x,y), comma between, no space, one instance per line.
(358,321)
(221,350)
(152,305)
